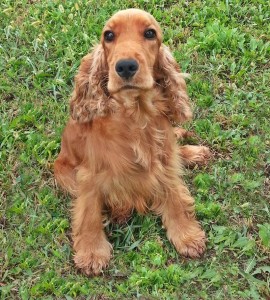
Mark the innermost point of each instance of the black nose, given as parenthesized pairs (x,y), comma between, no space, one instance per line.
(126,68)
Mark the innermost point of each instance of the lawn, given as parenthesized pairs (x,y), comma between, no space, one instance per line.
(225,46)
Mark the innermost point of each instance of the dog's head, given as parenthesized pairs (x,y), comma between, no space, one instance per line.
(130,57)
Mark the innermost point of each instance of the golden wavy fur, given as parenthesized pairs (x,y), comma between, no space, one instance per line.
(119,150)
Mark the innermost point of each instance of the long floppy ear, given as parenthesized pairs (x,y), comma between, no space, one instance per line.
(174,85)
(90,94)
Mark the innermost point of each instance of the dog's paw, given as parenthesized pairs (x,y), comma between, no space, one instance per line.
(189,242)
(193,247)
(94,260)
(192,155)
(203,155)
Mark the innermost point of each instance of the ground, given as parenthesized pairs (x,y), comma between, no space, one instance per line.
(225,46)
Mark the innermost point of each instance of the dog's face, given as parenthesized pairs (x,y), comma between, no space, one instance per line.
(131,40)
(129,61)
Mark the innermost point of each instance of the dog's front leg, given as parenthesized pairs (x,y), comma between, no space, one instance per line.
(178,217)
(92,249)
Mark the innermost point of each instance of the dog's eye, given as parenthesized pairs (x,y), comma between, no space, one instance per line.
(109,36)
(150,34)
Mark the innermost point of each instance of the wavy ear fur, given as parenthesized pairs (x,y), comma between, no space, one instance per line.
(89,97)
(175,90)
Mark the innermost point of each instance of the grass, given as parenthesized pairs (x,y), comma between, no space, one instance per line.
(225,45)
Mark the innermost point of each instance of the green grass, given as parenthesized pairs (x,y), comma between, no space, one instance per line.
(225,45)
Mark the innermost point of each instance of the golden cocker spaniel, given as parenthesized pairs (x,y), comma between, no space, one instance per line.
(119,150)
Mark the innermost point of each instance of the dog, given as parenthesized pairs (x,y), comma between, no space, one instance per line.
(119,151)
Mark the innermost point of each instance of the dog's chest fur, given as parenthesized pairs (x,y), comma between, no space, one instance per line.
(129,160)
